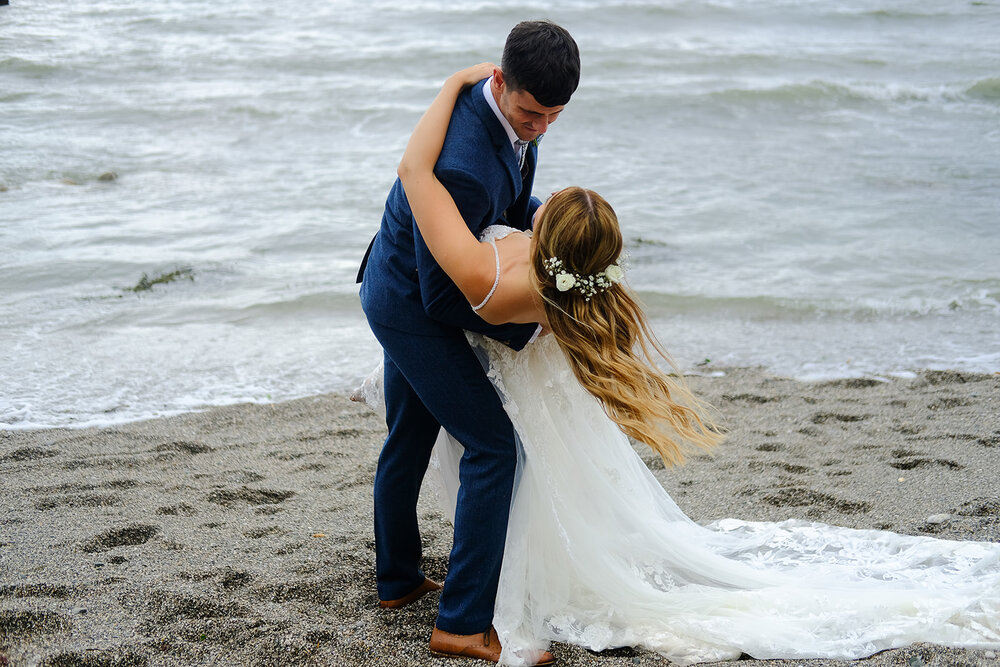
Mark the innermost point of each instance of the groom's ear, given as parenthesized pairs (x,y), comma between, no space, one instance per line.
(498,82)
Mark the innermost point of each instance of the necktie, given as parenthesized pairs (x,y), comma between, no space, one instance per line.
(522,151)
(522,154)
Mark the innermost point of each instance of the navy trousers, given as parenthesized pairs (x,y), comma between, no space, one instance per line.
(433,382)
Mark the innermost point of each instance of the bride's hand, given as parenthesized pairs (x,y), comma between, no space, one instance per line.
(474,74)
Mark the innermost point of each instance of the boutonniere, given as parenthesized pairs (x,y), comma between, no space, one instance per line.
(537,140)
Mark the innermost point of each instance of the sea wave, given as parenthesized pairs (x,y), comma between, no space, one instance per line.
(855,10)
(963,300)
(835,92)
(987,89)
(31,69)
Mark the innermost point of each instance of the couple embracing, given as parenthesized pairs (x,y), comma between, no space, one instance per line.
(510,337)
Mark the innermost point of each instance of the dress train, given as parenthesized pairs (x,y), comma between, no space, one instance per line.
(599,555)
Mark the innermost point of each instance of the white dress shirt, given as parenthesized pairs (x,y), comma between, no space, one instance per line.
(511,134)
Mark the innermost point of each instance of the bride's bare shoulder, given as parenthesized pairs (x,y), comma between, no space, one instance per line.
(514,299)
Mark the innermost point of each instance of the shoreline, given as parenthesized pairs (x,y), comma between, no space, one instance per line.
(242,534)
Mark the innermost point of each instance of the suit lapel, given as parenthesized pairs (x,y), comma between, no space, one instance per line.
(498,136)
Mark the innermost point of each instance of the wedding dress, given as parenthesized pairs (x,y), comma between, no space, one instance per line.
(598,554)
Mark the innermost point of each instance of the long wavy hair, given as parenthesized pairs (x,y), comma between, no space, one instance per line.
(607,337)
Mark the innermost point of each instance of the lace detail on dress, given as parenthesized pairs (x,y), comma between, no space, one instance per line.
(497,232)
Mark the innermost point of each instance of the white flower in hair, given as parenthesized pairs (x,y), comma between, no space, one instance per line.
(614,273)
(564,281)
(588,285)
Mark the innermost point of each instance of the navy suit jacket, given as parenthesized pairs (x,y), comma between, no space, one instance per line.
(403,287)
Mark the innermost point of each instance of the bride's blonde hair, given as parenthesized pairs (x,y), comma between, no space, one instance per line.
(603,331)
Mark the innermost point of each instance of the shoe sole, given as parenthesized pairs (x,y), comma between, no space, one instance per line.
(409,599)
(438,654)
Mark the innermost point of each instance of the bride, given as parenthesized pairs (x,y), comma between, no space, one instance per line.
(597,553)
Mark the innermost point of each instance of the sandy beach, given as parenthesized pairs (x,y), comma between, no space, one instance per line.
(242,535)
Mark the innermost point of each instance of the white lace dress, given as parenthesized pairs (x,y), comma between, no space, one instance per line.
(599,555)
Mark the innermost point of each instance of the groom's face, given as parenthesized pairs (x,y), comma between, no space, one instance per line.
(528,118)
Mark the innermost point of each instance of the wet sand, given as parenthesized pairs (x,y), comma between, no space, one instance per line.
(242,535)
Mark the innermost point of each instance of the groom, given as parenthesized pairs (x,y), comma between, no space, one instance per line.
(433,378)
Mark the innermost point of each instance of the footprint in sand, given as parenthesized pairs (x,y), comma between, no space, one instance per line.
(29,454)
(230,497)
(130,535)
(58,592)
(824,417)
(853,383)
(181,509)
(947,377)
(990,440)
(185,447)
(267,531)
(86,500)
(798,497)
(907,459)
(20,623)
(948,402)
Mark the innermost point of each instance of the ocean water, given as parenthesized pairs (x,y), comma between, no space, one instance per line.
(812,187)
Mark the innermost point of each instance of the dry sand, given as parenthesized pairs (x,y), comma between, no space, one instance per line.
(242,535)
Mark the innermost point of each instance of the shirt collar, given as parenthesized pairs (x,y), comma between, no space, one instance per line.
(488,94)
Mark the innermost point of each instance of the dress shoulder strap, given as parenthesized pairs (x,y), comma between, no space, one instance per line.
(496,280)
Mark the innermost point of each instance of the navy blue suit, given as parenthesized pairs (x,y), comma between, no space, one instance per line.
(433,378)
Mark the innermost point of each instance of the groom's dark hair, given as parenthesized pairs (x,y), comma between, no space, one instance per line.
(543,59)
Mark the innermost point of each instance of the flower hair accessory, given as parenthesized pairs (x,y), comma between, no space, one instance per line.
(588,285)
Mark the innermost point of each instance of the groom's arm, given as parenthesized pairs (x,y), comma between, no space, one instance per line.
(442,299)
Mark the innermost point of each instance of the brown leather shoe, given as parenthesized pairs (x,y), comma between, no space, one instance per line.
(414,595)
(482,646)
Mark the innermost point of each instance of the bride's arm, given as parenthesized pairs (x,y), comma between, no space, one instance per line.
(469,263)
